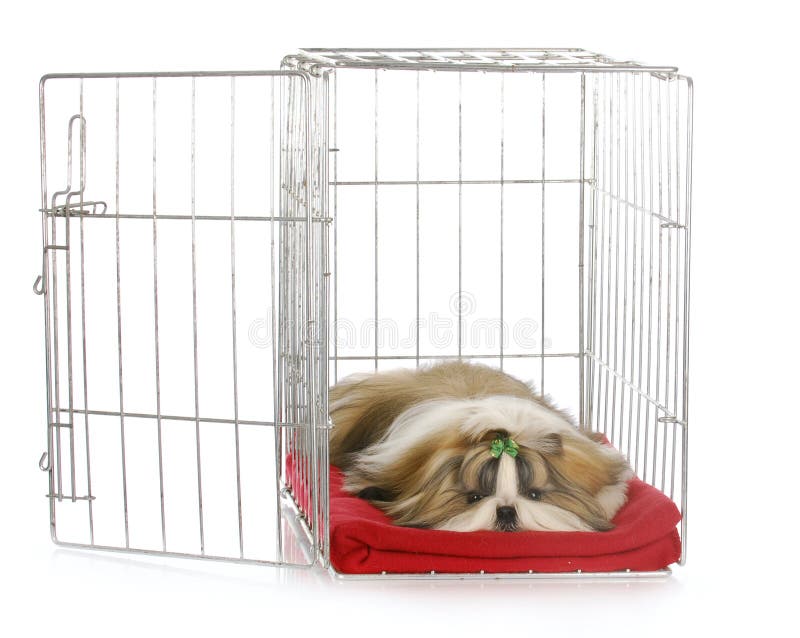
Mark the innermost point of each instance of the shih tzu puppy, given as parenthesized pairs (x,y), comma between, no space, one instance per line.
(464,447)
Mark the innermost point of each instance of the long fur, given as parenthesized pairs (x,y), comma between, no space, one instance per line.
(416,443)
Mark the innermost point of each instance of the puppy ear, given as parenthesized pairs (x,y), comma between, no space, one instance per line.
(588,464)
(550,444)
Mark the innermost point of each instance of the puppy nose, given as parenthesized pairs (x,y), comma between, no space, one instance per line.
(506,514)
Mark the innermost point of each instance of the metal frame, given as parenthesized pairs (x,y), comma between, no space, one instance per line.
(626,575)
(469,59)
(633,201)
(294,386)
(654,431)
(641,216)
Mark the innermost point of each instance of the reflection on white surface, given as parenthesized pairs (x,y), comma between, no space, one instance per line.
(203,596)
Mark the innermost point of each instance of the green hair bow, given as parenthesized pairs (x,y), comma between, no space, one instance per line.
(506,444)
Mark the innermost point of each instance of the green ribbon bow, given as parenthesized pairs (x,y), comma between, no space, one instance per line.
(507,445)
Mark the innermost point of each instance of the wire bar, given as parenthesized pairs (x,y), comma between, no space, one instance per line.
(621,201)
(375,256)
(417,184)
(85,380)
(581,264)
(46,460)
(276,394)
(119,312)
(235,344)
(460,322)
(335,184)
(543,252)
(445,357)
(591,231)
(90,510)
(155,324)
(452,182)
(177,417)
(610,371)
(187,216)
(501,205)
(194,320)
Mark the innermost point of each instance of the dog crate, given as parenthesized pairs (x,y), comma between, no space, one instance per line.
(221,247)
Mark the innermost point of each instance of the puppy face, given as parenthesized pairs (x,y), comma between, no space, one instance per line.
(494,463)
(524,492)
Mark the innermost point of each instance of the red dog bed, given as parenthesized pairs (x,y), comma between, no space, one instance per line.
(364,540)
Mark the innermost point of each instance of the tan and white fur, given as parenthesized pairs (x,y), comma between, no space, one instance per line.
(417,444)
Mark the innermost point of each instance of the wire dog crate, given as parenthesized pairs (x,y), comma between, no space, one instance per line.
(220,247)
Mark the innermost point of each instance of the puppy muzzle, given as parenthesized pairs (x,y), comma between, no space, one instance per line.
(507,520)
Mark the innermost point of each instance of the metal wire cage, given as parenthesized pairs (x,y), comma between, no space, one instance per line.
(219,248)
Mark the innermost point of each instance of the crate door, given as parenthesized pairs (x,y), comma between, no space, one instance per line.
(177,256)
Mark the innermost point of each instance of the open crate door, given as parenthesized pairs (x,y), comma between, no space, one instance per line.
(183,277)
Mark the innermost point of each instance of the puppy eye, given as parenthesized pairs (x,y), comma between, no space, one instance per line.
(474,497)
(534,495)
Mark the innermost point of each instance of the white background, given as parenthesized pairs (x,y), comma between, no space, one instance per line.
(744,418)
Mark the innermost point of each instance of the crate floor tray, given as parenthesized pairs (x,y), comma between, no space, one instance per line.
(363,540)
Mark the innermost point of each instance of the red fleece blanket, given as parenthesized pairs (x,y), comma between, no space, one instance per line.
(364,540)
